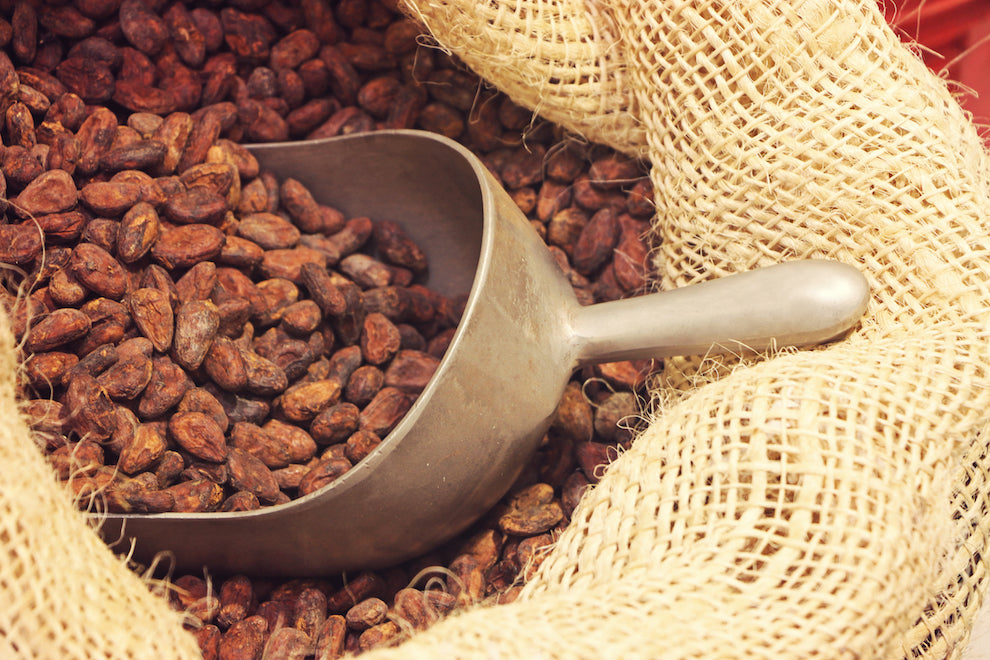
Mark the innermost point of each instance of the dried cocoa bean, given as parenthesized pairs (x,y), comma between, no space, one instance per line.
(198,434)
(196,326)
(91,412)
(369,612)
(152,314)
(146,447)
(187,245)
(380,339)
(57,329)
(249,473)
(50,192)
(325,472)
(249,36)
(532,511)
(142,27)
(196,496)
(20,244)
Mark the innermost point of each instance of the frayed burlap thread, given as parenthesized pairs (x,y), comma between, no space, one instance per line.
(65,595)
(828,503)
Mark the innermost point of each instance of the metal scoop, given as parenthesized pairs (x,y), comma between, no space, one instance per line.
(481,417)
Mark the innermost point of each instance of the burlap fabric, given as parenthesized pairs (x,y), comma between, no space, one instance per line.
(827,503)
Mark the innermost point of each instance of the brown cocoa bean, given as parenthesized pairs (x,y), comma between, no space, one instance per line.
(208,640)
(173,132)
(187,245)
(268,230)
(384,411)
(197,399)
(398,248)
(205,131)
(531,511)
(237,600)
(143,154)
(20,166)
(301,318)
(142,27)
(139,229)
(50,192)
(335,424)
(294,49)
(249,36)
(573,489)
(369,612)
(82,458)
(596,242)
(593,458)
(57,329)
(20,244)
(152,314)
(264,377)
(288,643)
(256,441)
(360,444)
(380,339)
(565,228)
(186,38)
(301,207)
(249,473)
(364,384)
(299,444)
(90,411)
(196,325)
(574,416)
(20,125)
(196,496)
(384,634)
(305,119)
(198,282)
(287,264)
(47,370)
(330,642)
(146,447)
(629,261)
(198,434)
(110,198)
(102,232)
(343,78)
(127,378)
(225,365)
(304,401)
(198,204)
(95,135)
(410,371)
(91,80)
(310,611)
(412,606)
(325,472)
(441,118)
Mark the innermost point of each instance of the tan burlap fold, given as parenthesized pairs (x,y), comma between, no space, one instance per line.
(827,503)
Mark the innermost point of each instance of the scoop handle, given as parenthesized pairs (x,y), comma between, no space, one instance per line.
(797,303)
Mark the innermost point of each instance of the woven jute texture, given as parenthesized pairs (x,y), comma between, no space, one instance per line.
(821,503)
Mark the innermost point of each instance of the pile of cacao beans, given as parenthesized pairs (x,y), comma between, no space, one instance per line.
(198,335)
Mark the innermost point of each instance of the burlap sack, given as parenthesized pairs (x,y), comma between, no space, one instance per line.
(826,503)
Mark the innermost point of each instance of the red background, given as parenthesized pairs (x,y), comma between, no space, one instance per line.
(958,31)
